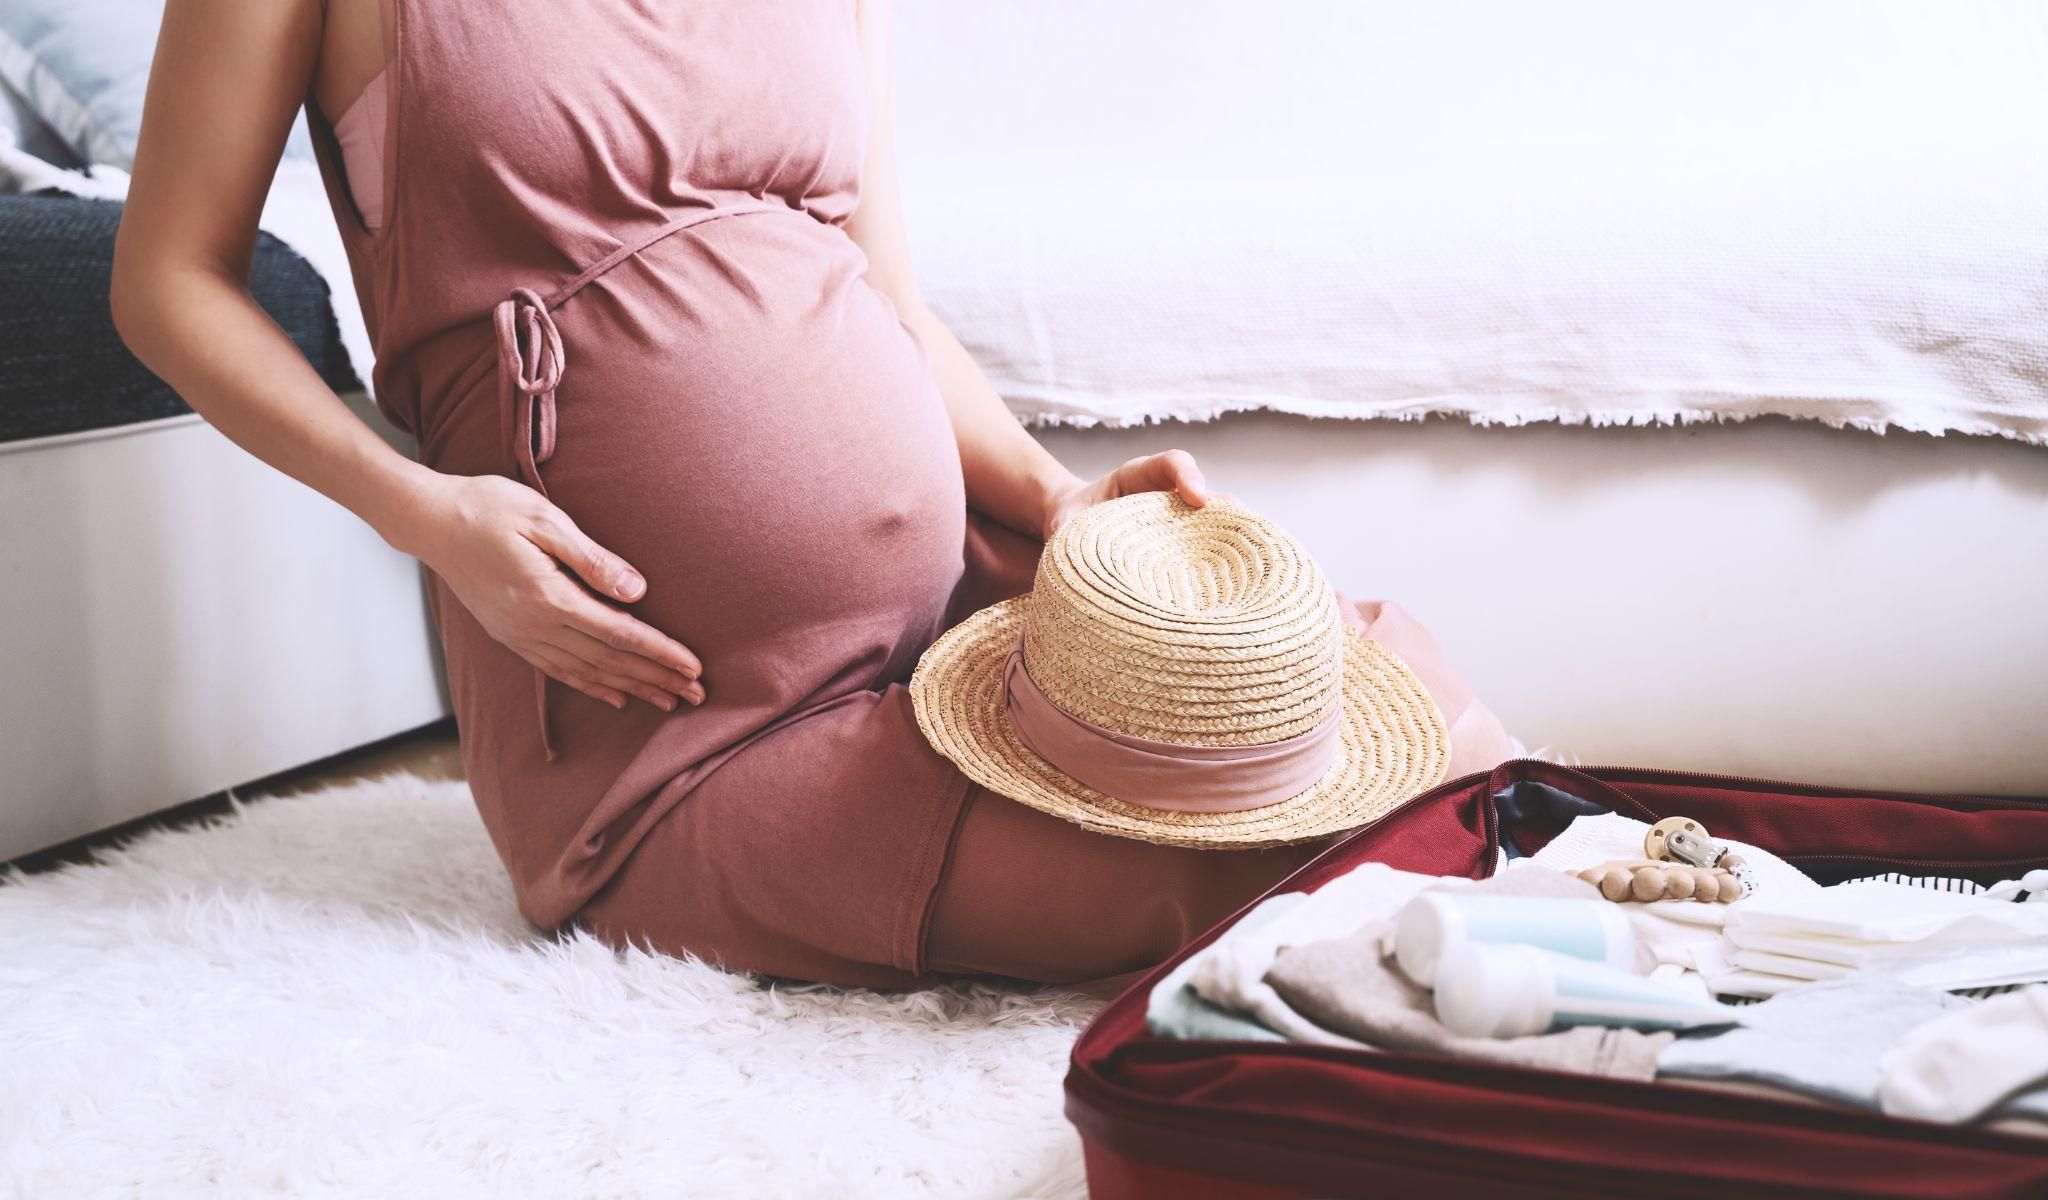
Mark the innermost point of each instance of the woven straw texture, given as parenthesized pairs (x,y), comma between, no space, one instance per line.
(1203,627)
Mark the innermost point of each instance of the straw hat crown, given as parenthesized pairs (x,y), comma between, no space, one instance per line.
(1209,627)
(1193,662)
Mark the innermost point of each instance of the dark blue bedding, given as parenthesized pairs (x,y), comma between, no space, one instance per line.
(63,369)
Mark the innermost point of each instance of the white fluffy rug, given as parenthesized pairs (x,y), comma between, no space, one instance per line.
(333,995)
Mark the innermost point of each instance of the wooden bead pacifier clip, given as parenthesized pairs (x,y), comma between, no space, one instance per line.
(1681,863)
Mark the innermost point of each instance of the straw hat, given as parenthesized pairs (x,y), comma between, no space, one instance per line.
(1156,633)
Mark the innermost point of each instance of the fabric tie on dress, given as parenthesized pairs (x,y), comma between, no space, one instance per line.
(1164,775)
(530,364)
(531,350)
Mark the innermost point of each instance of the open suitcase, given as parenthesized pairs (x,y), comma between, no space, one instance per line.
(1266,1121)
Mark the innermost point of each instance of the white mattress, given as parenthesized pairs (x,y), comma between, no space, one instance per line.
(1767,599)
(1582,211)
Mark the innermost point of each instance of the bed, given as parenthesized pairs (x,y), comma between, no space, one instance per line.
(181,618)
(1684,367)
(1681,366)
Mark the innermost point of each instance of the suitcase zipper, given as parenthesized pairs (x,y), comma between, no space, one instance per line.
(1786,785)
(2020,865)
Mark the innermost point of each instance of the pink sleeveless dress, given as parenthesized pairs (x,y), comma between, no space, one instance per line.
(611,264)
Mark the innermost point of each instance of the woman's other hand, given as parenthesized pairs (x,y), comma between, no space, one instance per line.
(1172,471)
(502,549)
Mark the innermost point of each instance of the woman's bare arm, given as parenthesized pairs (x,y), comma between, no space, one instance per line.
(208,150)
(228,79)
(1009,475)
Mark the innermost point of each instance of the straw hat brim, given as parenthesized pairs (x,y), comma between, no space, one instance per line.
(1392,746)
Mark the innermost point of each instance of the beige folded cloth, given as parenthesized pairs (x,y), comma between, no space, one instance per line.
(1346,985)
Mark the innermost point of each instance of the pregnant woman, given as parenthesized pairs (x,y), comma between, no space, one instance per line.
(699,477)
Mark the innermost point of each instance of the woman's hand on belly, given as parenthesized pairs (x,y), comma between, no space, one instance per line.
(501,548)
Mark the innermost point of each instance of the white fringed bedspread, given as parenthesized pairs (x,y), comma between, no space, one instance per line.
(1583,212)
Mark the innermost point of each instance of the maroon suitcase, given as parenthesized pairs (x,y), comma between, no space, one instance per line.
(1266,1121)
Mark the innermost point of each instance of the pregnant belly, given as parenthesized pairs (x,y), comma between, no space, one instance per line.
(746,421)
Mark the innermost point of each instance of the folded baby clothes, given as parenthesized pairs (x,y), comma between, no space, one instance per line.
(1230,974)
(1347,984)
(1876,911)
(1823,1039)
(1966,1063)
(1716,966)
(1523,877)
(1788,966)
(1909,933)
(1677,932)
(1176,1010)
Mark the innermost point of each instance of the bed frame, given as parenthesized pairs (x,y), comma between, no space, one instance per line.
(183,619)
(1766,599)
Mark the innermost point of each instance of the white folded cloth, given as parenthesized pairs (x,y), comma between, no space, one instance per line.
(1910,934)
(1879,912)
(1716,965)
(1823,1039)
(1965,1063)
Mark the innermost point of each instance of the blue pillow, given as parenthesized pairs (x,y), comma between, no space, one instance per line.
(82,65)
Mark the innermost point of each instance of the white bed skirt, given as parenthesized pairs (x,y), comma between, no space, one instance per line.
(183,619)
(1769,599)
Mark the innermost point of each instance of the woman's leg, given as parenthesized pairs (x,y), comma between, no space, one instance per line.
(816,875)
(1030,896)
